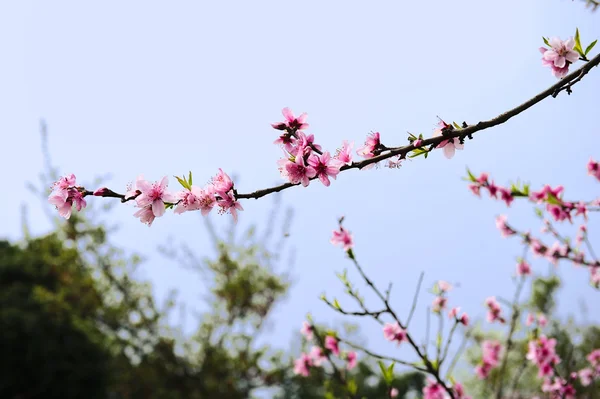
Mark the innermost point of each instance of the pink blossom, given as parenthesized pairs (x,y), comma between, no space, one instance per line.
(506,195)
(595,276)
(438,304)
(493,189)
(586,376)
(351,359)
(307,330)
(449,145)
(464,319)
(324,167)
(417,143)
(530,319)
(372,143)
(331,343)
(132,189)
(394,392)
(594,357)
(228,203)
(302,365)
(433,390)
(559,56)
(542,320)
(291,122)
(494,310)
(459,391)
(556,251)
(63,200)
(287,141)
(307,143)
(581,209)
(593,168)
(545,193)
(475,189)
(154,194)
(483,178)
(146,215)
(64,182)
(298,172)
(501,225)
(490,358)
(444,286)
(393,332)
(523,268)
(542,353)
(222,182)
(344,154)
(189,200)
(206,199)
(343,237)
(317,355)
(558,212)
(537,248)
(453,312)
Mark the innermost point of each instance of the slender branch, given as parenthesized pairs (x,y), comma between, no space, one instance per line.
(336,372)
(509,340)
(461,348)
(568,80)
(415,298)
(382,357)
(448,342)
(428,365)
(365,311)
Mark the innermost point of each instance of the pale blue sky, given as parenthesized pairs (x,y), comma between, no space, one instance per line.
(164,87)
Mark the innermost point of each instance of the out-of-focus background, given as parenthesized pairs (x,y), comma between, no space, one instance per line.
(117,89)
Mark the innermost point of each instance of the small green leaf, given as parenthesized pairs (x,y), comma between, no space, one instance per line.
(418,151)
(387,373)
(590,47)
(546,41)
(578,43)
(183,182)
(190,178)
(456,125)
(471,175)
(390,368)
(352,387)
(336,304)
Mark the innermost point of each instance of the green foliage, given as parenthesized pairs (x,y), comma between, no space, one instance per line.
(48,306)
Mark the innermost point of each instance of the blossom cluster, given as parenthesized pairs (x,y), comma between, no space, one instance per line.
(435,390)
(318,355)
(490,358)
(65,194)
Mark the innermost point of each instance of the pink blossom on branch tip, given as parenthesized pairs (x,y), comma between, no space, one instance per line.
(332,344)
(343,237)
(351,359)
(559,56)
(291,121)
(307,330)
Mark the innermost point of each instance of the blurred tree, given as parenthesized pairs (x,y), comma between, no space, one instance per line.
(77,323)
(574,342)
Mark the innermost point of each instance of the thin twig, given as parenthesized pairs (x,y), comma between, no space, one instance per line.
(415,298)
